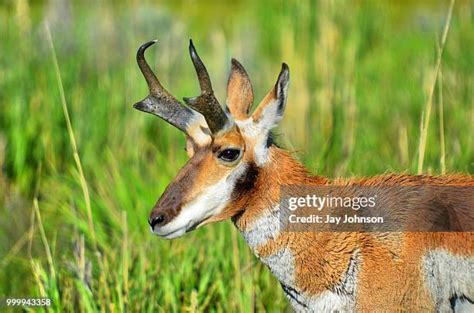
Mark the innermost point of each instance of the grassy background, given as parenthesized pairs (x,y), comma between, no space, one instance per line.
(73,226)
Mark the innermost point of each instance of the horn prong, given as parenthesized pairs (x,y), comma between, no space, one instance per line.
(206,103)
(159,101)
(201,71)
(150,77)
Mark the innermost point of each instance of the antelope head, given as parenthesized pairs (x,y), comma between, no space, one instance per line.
(226,147)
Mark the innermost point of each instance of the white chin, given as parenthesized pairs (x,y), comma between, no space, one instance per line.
(170,234)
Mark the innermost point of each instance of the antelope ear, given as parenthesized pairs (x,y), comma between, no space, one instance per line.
(239,92)
(270,111)
(267,115)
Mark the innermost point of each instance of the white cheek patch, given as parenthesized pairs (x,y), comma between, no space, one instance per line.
(210,202)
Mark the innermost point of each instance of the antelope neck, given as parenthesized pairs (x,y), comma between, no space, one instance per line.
(259,224)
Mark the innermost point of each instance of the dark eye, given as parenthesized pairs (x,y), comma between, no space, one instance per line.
(229,155)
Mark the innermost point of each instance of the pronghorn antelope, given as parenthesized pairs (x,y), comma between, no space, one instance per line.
(236,171)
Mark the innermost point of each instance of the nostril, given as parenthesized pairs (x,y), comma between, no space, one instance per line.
(160,218)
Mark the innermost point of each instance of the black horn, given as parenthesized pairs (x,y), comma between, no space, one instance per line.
(206,103)
(160,102)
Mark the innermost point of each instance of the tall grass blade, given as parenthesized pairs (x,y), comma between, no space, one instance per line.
(429,103)
(72,139)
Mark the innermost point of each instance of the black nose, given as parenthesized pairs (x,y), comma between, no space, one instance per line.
(159,219)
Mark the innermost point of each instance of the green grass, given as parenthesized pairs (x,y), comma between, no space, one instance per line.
(360,80)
